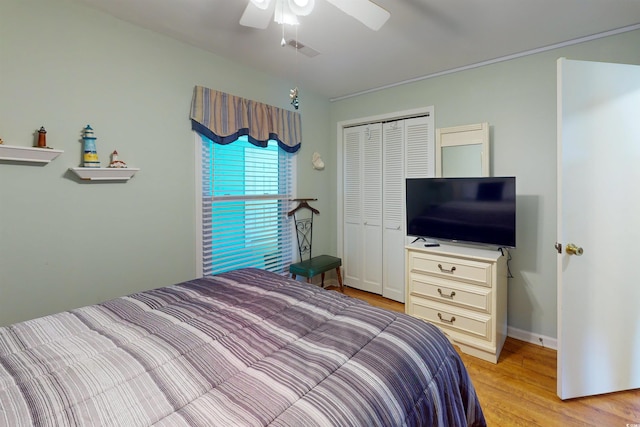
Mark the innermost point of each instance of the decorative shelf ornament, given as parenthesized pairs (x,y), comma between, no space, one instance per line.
(38,154)
(105,174)
(115,162)
(90,153)
(91,170)
(317,162)
(42,138)
(28,154)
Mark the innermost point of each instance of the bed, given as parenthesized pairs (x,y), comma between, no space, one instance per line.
(243,348)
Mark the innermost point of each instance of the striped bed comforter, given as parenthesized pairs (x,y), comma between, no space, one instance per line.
(244,348)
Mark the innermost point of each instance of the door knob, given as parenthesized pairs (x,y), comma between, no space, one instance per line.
(574,250)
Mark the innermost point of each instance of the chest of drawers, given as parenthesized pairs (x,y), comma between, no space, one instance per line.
(463,291)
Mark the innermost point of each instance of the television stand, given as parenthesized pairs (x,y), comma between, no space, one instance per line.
(463,291)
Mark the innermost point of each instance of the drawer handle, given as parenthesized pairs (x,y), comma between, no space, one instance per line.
(444,270)
(453,319)
(450,296)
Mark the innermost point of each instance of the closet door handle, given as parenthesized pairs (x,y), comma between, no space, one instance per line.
(453,319)
(450,296)
(444,270)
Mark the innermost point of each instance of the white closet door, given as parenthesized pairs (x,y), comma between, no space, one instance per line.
(393,235)
(420,144)
(353,220)
(376,161)
(372,208)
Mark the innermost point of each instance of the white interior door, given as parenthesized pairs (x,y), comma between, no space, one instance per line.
(598,211)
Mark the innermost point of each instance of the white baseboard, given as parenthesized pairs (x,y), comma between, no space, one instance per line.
(532,338)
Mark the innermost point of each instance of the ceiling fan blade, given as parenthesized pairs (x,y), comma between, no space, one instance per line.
(365,11)
(256,17)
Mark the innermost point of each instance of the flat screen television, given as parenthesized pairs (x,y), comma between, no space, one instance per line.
(469,210)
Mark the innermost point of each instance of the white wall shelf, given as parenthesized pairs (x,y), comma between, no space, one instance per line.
(105,174)
(28,154)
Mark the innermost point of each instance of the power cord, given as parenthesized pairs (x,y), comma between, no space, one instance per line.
(508,254)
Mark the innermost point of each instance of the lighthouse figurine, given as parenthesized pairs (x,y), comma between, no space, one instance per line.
(115,161)
(90,155)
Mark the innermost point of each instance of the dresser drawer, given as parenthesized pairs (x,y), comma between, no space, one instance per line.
(447,317)
(450,292)
(475,272)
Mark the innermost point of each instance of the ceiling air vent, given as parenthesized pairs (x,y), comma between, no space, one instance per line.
(305,50)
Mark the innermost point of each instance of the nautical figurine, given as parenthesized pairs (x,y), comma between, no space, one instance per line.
(115,162)
(90,154)
(42,138)
(295,101)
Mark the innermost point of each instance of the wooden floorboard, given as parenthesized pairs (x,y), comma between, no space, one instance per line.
(520,390)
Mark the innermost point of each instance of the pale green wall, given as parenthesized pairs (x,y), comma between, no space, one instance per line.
(518,99)
(65,244)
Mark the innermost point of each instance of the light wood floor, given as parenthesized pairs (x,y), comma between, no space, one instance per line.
(520,390)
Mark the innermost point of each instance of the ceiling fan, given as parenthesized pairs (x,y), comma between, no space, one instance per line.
(259,12)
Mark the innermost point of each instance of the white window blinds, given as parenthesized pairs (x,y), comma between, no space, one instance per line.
(245,199)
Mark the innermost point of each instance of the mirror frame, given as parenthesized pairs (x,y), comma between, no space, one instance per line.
(475,134)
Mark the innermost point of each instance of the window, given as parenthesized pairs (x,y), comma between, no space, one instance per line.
(244,195)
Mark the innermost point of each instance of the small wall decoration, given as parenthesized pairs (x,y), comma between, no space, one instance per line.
(90,153)
(115,162)
(42,138)
(317,162)
(295,100)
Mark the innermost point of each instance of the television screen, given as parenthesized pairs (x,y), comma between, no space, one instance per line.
(473,210)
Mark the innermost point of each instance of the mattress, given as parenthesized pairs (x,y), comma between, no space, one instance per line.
(243,348)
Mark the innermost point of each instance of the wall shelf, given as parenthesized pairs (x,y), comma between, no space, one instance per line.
(105,174)
(28,154)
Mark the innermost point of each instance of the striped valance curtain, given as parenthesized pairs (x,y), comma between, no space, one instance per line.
(223,118)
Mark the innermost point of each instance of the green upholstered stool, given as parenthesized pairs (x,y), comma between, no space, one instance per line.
(311,266)
(317,265)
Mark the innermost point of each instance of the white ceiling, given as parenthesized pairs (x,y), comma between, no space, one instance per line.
(422,37)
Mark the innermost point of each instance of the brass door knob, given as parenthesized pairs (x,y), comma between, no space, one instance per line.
(574,250)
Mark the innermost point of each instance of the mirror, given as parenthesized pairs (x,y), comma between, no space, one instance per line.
(462,151)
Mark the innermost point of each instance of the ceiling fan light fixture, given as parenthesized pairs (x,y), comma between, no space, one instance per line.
(261,4)
(301,7)
(284,14)
(258,12)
